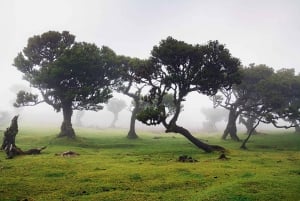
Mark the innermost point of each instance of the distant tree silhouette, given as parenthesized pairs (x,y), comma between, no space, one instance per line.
(115,106)
(213,116)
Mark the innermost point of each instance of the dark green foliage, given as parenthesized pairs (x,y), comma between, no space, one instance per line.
(202,68)
(157,112)
(279,100)
(26,97)
(129,83)
(69,75)
(83,74)
(178,68)
(151,115)
(281,97)
(183,68)
(244,97)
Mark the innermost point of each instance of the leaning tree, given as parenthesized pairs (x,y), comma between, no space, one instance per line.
(179,68)
(69,75)
(241,97)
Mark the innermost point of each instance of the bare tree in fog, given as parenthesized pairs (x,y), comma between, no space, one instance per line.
(115,106)
(69,75)
(179,68)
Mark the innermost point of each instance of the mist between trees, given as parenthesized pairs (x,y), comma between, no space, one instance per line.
(73,77)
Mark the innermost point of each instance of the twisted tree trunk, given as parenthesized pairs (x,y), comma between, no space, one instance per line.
(206,147)
(9,144)
(131,133)
(243,146)
(231,125)
(9,139)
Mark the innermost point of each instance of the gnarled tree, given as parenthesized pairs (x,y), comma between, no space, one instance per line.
(9,141)
(129,84)
(179,68)
(280,100)
(242,97)
(69,75)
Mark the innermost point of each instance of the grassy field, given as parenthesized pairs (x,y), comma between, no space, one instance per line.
(111,167)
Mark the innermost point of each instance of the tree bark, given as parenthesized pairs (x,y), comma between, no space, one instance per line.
(8,144)
(131,133)
(231,125)
(206,147)
(9,140)
(66,129)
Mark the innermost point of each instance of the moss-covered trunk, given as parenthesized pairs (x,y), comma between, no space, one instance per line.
(206,147)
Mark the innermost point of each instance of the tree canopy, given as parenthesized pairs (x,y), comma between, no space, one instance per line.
(129,71)
(280,100)
(243,96)
(179,68)
(69,75)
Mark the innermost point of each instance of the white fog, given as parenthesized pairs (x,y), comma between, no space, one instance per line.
(255,31)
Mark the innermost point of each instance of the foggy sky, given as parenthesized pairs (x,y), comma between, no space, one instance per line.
(256,31)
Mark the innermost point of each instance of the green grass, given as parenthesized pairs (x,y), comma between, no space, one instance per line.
(111,167)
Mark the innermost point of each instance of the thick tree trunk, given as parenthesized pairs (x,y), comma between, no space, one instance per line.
(206,147)
(113,123)
(131,133)
(231,125)
(66,129)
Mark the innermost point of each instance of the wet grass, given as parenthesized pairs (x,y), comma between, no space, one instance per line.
(111,167)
